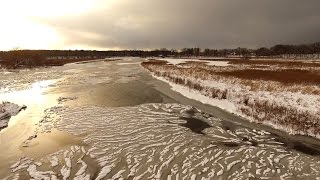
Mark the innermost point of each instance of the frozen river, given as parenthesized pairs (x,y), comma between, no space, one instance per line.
(112,120)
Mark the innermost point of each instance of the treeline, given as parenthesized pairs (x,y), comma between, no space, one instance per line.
(275,51)
(34,58)
(31,58)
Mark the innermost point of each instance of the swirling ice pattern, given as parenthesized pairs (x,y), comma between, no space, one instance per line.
(152,142)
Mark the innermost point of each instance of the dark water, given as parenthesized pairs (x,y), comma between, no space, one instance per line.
(196,125)
(121,94)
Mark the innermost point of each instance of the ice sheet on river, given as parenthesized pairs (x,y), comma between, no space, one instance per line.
(163,141)
(7,110)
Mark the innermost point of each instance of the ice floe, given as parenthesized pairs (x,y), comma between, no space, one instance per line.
(7,110)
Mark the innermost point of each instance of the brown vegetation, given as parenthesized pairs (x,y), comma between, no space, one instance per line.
(286,76)
(154,62)
(289,117)
(276,63)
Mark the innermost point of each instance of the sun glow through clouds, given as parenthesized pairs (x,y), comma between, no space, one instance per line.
(20,29)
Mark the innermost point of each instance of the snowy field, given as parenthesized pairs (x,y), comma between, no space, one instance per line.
(285,95)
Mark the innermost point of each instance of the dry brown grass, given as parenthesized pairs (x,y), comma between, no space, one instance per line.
(276,63)
(285,76)
(298,121)
(154,62)
(162,69)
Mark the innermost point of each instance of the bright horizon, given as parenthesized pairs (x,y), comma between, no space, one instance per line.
(123,24)
(22,30)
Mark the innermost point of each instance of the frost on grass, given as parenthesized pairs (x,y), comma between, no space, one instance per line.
(7,110)
(284,95)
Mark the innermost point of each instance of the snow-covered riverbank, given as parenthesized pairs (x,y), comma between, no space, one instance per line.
(291,108)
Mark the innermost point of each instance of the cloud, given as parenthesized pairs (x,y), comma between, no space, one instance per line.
(189,23)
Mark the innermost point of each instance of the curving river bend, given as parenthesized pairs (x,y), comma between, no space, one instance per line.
(112,120)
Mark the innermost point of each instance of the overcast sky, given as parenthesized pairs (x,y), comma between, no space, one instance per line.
(149,24)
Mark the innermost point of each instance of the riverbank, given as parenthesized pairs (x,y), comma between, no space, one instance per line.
(283,95)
